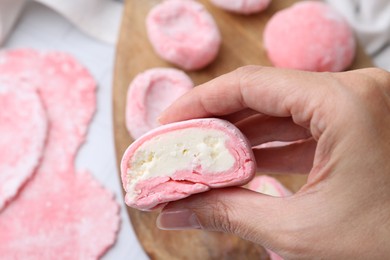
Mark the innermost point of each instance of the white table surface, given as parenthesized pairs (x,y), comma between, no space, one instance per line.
(41,28)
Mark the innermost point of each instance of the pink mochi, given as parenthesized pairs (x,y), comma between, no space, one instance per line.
(60,213)
(179,159)
(270,186)
(310,36)
(242,6)
(149,94)
(23,128)
(183,33)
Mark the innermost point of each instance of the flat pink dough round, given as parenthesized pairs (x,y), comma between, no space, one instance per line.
(177,160)
(183,33)
(242,6)
(310,36)
(150,93)
(59,216)
(23,127)
(67,92)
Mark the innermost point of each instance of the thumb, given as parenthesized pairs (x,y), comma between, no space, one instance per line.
(250,215)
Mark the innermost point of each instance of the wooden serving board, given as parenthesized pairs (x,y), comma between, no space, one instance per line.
(242,45)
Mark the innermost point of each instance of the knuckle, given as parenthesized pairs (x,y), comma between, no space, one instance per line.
(244,75)
(218,215)
(247,69)
(370,85)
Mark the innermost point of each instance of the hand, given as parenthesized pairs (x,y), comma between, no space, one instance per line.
(343,211)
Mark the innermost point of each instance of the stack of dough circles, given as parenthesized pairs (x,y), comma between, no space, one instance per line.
(242,6)
(310,36)
(183,33)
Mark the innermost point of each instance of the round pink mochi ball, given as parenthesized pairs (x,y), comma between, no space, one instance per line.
(310,36)
(242,6)
(183,33)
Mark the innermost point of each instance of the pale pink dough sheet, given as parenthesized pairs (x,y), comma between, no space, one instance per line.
(68,94)
(242,6)
(310,35)
(23,127)
(150,93)
(195,179)
(183,33)
(58,214)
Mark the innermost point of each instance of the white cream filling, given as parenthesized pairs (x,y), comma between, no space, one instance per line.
(178,150)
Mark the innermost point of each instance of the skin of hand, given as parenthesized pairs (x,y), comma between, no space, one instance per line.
(343,211)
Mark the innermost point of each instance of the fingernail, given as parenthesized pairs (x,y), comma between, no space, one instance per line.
(177,219)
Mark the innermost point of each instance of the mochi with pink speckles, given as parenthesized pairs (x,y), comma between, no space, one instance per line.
(309,35)
(242,6)
(149,94)
(183,33)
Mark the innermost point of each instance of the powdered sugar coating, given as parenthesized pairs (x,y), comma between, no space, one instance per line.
(310,35)
(242,6)
(183,33)
(195,179)
(149,94)
(23,127)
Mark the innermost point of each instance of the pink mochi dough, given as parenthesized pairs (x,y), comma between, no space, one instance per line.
(242,6)
(150,93)
(23,128)
(310,36)
(58,214)
(194,177)
(64,215)
(183,33)
(263,183)
(270,186)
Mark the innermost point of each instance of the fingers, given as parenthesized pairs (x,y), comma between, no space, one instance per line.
(240,115)
(248,214)
(261,129)
(294,158)
(270,91)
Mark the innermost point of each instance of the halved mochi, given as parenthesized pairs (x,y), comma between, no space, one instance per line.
(177,160)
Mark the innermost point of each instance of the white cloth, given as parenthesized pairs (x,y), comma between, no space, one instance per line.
(371,22)
(97,18)
(9,12)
